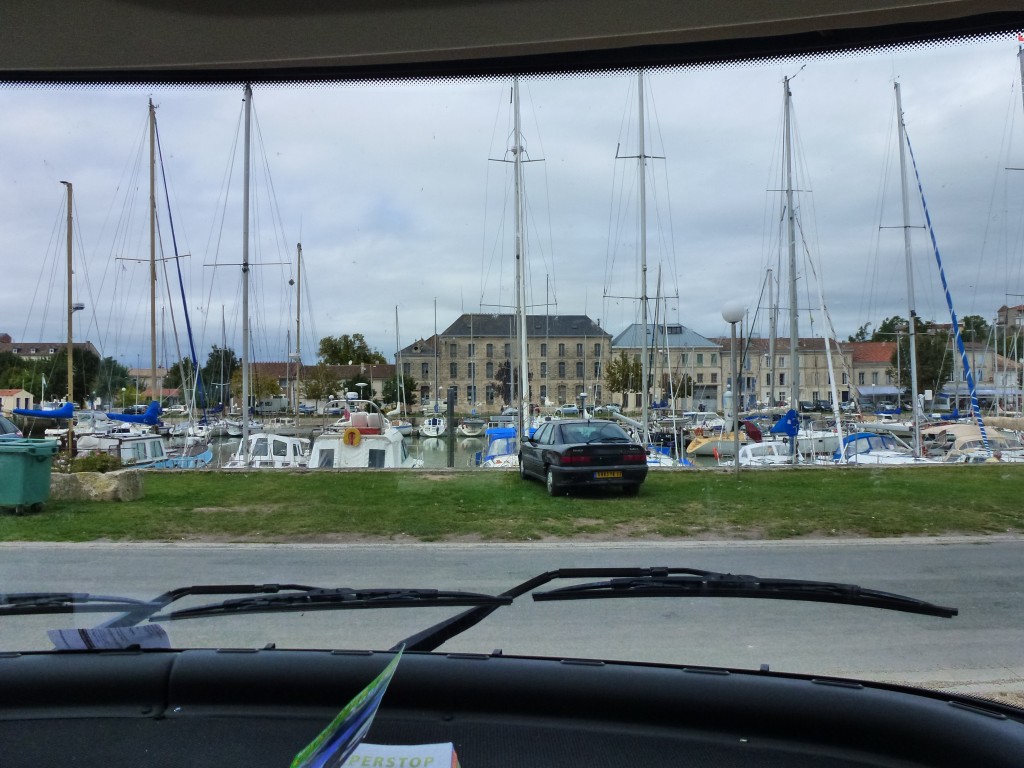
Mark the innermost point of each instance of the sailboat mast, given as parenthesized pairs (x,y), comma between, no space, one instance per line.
(152,245)
(642,172)
(773,323)
(298,321)
(399,375)
(435,357)
(517,154)
(910,276)
(794,330)
(71,314)
(245,276)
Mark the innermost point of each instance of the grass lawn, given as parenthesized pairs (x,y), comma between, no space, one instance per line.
(498,506)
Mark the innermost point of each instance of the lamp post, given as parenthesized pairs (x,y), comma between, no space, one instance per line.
(360,384)
(733,313)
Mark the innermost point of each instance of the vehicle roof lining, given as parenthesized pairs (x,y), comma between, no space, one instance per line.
(267,40)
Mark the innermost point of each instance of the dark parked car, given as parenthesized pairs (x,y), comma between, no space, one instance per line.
(576,453)
(8,428)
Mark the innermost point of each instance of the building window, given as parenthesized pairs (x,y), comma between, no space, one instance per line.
(407,369)
(470,394)
(874,377)
(490,350)
(453,350)
(561,370)
(846,378)
(714,358)
(768,379)
(471,370)
(425,370)
(714,378)
(471,349)
(860,378)
(490,372)
(684,358)
(597,369)
(597,349)
(508,351)
(579,350)
(782,379)
(489,393)
(543,350)
(453,370)
(700,378)
(543,370)
(543,393)
(562,391)
(579,370)
(561,350)
(782,362)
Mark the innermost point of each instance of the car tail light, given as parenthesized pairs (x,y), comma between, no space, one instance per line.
(634,457)
(575,457)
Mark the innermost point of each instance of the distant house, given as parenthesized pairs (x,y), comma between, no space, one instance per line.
(15,398)
(38,349)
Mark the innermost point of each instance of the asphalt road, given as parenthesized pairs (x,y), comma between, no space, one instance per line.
(979,651)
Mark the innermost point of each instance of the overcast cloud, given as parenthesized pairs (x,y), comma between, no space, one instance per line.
(394,195)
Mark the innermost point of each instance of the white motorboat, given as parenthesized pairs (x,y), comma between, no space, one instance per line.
(367,439)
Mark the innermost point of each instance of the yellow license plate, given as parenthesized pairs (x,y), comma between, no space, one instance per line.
(608,474)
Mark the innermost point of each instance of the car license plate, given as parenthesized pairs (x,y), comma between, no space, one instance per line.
(608,473)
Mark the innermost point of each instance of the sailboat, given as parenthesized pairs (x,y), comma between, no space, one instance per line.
(435,424)
(642,428)
(401,421)
(503,448)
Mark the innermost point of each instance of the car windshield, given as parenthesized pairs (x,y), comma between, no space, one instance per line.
(741,237)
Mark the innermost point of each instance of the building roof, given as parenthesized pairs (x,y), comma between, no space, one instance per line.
(872,352)
(470,324)
(677,337)
(22,348)
(758,345)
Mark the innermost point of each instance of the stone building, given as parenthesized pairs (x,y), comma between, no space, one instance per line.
(478,354)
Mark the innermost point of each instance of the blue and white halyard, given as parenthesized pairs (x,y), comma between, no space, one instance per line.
(975,408)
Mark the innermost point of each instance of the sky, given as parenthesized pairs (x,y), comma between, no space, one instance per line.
(402,205)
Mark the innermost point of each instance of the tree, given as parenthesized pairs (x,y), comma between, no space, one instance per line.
(86,367)
(319,383)
(181,375)
(352,385)
(393,395)
(890,328)
(934,362)
(503,380)
(861,334)
(348,350)
(623,373)
(975,328)
(220,367)
(260,387)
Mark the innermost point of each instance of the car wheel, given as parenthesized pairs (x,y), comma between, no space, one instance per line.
(554,489)
(522,468)
(631,490)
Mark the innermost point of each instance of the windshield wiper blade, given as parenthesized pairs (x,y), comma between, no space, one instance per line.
(27,603)
(339,598)
(686,582)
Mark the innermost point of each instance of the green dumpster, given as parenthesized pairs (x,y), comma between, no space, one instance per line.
(25,465)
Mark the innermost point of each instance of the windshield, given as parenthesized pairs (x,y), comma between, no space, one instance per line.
(689,245)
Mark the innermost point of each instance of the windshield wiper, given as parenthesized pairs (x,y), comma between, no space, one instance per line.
(673,582)
(689,582)
(340,598)
(26,603)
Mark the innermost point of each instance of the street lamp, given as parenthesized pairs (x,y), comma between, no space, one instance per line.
(732,313)
(361,384)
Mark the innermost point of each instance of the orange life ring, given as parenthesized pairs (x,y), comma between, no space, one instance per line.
(699,431)
(352,437)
